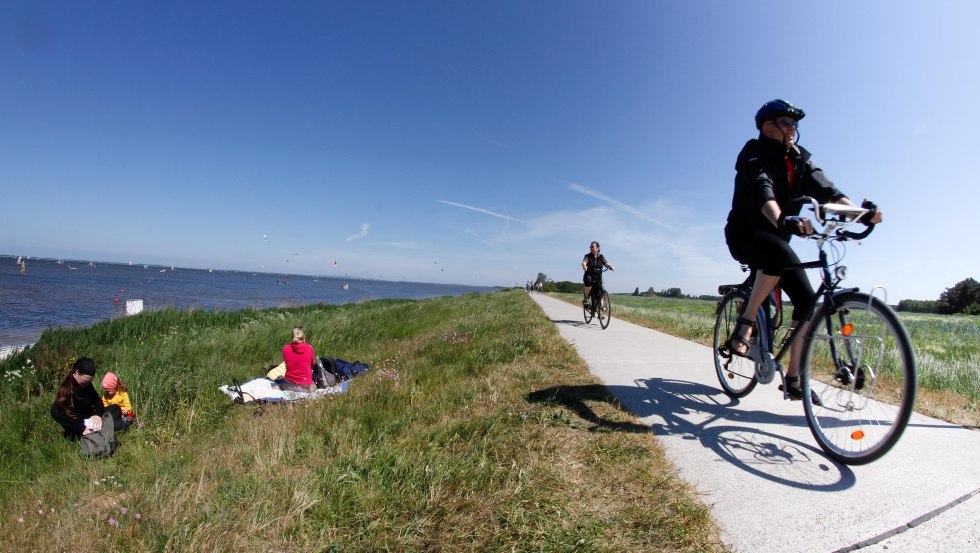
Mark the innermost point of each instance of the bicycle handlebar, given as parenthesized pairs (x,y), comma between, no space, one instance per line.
(847,215)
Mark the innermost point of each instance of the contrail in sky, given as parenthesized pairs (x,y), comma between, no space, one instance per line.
(478,210)
(615,203)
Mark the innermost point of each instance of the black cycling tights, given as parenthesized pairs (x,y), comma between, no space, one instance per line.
(771,254)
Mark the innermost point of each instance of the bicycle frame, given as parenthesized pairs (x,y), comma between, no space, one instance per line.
(768,364)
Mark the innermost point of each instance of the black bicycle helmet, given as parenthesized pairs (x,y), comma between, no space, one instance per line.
(775,108)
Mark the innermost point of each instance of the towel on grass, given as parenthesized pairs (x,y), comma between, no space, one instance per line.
(262,389)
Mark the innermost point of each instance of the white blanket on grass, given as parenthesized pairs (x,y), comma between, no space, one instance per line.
(263,389)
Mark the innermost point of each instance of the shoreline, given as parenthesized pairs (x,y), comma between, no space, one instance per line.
(8,350)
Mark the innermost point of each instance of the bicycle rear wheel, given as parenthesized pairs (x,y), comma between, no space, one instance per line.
(605,309)
(862,370)
(735,374)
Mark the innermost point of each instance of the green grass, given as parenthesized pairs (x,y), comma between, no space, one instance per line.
(947,347)
(467,434)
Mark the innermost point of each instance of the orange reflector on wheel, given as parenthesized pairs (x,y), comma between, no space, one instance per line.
(857,435)
(731,376)
(847,329)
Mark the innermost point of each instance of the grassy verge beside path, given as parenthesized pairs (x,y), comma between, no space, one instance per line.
(947,348)
(477,429)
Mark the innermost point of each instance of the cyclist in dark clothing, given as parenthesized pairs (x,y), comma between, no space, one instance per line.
(592,264)
(771,170)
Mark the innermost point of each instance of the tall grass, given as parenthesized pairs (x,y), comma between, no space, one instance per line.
(477,428)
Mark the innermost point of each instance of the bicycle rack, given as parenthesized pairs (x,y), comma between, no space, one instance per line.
(884,295)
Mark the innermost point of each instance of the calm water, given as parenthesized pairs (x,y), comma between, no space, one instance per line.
(49,294)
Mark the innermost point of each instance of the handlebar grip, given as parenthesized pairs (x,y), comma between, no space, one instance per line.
(857,235)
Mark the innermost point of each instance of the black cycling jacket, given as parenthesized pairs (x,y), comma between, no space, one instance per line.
(761,175)
(595,263)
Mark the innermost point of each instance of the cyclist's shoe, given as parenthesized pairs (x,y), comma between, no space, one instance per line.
(736,339)
(795,392)
(585,302)
(844,376)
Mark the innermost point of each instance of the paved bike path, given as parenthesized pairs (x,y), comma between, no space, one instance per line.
(758,468)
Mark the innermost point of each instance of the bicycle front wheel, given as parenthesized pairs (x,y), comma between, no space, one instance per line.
(859,378)
(587,310)
(605,310)
(735,374)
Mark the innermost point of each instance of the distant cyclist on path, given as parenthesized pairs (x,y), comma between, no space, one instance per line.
(592,264)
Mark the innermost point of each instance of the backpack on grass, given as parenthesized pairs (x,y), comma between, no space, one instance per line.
(322,376)
(343,369)
(102,443)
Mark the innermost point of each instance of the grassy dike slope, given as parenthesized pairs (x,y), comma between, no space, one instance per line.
(477,429)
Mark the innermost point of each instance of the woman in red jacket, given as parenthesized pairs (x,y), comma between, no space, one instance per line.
(299,359)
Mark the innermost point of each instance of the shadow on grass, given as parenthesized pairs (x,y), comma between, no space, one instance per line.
(575,399)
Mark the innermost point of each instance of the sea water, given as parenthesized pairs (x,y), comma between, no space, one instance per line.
(54,293)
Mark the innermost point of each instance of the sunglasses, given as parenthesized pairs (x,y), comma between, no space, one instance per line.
(786,122)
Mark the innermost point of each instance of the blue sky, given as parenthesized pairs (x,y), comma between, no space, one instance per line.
(477,142)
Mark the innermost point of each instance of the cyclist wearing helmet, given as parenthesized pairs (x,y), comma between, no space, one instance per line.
(592,264)
(770,171)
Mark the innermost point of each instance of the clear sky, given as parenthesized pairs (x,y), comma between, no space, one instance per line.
(477,142)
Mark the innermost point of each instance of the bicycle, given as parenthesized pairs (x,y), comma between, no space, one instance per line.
(599,305)
(858,368)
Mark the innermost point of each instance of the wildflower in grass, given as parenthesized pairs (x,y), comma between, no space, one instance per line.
(113,522)
(138,516)
(21,520)
(123,511)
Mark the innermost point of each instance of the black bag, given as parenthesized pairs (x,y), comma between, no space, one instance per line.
(322,376)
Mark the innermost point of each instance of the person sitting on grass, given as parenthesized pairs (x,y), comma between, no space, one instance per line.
(116,393)
(299,359)
(77,406)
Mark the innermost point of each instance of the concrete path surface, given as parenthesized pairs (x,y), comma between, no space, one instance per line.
(758,468)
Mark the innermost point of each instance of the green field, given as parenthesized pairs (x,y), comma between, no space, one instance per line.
(478,428)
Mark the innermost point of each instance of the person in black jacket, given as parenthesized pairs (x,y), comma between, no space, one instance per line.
(771,170)
(77,406)
(592,264)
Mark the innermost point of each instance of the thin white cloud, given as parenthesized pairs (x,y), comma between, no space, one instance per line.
(362,234)
(616,204)
(478,210)
(405,245)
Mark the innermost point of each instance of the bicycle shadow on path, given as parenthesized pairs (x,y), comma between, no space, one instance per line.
(579,323)
(693,411)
